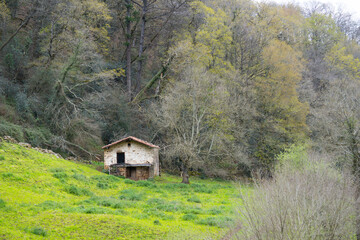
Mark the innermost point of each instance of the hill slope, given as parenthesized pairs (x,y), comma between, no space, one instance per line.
(42,196)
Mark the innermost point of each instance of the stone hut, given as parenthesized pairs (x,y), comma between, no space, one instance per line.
(132,158)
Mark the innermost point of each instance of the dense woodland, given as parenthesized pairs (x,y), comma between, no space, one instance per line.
(227,88)
(222,86)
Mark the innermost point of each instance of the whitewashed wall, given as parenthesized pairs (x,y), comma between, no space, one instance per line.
(137,153)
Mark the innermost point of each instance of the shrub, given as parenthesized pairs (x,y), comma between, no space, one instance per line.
(129,181)
(216,210)
(216,221)
(106,178)
(102,185)
(201,188)
(60,175)
(74,190)
(157,222)
(9,129)
(317,199)
(57,170)
(132,195)
(163,205)
(194,199)
(145,184)
(2,158)
(37,136)
(157,213)
(50,205)
(196,210)
(38,231)
(95,210)
(189,217)
(80,177)
(10,176)
(106,202)
(2,203)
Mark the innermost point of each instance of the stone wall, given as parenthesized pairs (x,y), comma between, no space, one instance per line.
(135,153)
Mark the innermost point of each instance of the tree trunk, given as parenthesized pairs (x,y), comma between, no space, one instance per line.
(357,199)
(355,151)
(128,47)
(141,45)
(185,174)
(22,25)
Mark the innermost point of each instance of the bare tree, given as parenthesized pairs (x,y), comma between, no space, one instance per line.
(310,200)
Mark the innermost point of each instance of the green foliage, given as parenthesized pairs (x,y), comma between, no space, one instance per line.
(295,157)
(194,199)
(80,177)
(74,207)
(2,203)
(201,188)
(9,129)
(78,191)
(38,231)
(2,158)
(147,184)
(132,195)
(216,221)
(129,181)
(50,205)
(189,217)
(60,175)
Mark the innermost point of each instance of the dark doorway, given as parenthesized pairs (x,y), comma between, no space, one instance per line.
(131,173)
(120,158)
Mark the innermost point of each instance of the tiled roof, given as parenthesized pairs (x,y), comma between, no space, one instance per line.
(134,139)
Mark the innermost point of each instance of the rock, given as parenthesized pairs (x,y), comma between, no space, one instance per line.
(10,139)
(27,145)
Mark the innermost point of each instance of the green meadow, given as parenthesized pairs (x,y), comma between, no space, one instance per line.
(42,196)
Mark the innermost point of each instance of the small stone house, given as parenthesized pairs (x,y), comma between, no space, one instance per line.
(132,158)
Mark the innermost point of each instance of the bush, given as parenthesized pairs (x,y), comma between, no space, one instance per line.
(189,217)
(163,205)
(50,205)
(2,158)
(216,210)
(9,129)
(80,177)
(157,222)
(157,213)
(132,195)
(194,199)
(196,210)
(201,188)
(106,178)
(10,176)
(306,192)
(74,190)
(107,202)
(129,181)
(38,231)
(60,175)
(145,184)
(2,203)
(57,170)
(216,221)
(101,185)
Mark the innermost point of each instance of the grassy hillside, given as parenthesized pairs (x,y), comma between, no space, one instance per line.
(42,196)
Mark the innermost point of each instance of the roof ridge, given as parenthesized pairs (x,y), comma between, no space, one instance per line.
(132,138)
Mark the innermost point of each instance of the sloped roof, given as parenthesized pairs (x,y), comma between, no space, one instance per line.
(131,138)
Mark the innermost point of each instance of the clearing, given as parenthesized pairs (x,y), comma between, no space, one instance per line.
(42,196)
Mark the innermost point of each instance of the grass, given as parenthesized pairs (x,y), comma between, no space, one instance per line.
(45,197)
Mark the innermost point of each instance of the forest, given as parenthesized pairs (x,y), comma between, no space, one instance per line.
(225,87)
